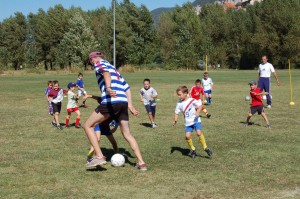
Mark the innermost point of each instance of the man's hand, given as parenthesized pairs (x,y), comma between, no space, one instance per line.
(133,111)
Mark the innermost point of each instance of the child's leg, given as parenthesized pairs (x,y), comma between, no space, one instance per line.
(209,98)
(50,108)
(68,119)
(92,151)
(248,118)
(153,109)
(151,117)
(201,139)
(206,97)
(77,118)
(113,142)
(189,140)
(56,118)
(131,140)
(263,114)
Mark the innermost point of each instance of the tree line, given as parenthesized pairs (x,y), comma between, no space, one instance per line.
(62,38)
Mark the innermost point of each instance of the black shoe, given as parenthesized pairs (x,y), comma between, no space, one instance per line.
(59,127)
(192,153)
(54,124)
(208,115)
(67,126)
(209,152)
(78,126)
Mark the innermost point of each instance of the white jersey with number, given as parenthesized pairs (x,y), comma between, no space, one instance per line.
(207,83)
(265,70)
(188,108)
(146,94)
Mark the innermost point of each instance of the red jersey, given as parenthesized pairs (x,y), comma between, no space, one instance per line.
(196,91)
(256,99)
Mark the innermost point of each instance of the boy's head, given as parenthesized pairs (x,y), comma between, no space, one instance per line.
(71,86)
(252,84)
(182,92)
(264,59)
(205,75)
(50,84)
(94,57)
(198,83)
(146,83)
(80,75)
(55,84)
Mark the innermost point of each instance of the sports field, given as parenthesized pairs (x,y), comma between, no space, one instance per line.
(40,161)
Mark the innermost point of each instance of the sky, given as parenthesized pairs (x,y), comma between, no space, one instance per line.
(9,7)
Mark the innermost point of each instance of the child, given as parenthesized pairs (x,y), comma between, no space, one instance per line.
(47,90)
(195,93)
(81,90)
(257,104)
(148,95)
(190,109)
(208,87)
(56,96)
(72,106)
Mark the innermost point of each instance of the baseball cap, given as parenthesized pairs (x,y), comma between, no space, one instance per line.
(95,54)
(252,82)
(71,84)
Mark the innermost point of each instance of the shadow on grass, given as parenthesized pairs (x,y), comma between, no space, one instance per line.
(185,152)
(97,168)
(250,123)
(146,125)
(110,152)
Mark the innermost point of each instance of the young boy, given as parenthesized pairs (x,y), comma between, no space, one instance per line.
(195,93)
(81,91)
(190,109)
(208,87)
(148,95)
(72,106)
(257,104)
(56,96)
(47,91)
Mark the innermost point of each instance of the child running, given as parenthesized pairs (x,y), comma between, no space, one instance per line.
(81,91)
(47,91)
(190,109)
(72,106)
(257,104)
(195,93)
(207,84)
(148,95)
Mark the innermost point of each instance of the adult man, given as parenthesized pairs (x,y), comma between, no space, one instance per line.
(264,75)
(116,100)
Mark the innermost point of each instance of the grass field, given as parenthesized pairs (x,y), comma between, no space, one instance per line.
(39,161)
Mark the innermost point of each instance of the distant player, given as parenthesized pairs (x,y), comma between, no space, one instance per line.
(56,96)
(256,104)
(47,91)
(207,84)
(81,91)
(191,110)
(72,106)
(195,93)
(148,95)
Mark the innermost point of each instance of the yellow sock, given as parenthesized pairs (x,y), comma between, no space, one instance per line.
(205,111)
(190,143)
(202,141)
(90,153)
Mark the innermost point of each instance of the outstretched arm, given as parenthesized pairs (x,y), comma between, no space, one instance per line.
(130,106)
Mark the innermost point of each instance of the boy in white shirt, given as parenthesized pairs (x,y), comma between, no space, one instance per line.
(207,84)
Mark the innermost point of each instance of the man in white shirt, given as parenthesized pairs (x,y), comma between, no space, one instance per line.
(264,75)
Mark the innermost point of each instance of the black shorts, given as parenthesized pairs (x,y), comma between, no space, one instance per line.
(258,109)
(56,107)
(116,112)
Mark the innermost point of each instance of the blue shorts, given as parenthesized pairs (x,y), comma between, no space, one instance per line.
(208,92)
(150,109)
(103,128)
(196,126)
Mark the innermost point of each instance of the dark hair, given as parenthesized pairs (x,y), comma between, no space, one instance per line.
(198,81)
(50,82)
(80,74)
(55,82)
(147,80)
(265,56)
(183,89)
(205,73)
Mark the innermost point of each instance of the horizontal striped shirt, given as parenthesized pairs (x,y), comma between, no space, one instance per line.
(118,83)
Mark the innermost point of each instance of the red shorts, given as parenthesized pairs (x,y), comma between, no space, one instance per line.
(70,110)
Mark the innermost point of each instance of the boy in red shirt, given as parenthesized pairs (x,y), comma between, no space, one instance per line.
(195,92)
(257,104)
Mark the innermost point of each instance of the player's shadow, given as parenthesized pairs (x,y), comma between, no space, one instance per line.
(185,152)
(97,168)
(250,124)
(146,125)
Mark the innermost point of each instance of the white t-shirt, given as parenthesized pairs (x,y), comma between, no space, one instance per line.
(71,100)
(148,100)
(190,117)
(266,69)
(207,83)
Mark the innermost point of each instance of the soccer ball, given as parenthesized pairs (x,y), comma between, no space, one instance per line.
(205,102)
(247,98)
(117,160)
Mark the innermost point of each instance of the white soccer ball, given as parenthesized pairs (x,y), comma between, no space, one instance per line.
(117,160)
(247,98)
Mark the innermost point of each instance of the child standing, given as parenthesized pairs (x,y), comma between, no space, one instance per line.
(208,87)
(257,104)
(190,109)
(148,95)
(195,93)
(47,91)
(72,106)
(81,91)
(56,96)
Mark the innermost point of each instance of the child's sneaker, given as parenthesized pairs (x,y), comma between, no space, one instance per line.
(246,124)
(268,126)
(208,115)
(141,167)
(209,152)
(78,126)
(67,126)
(59,127)
(154,125)
(54,124)
(89,159)
(95,162)
(192,153)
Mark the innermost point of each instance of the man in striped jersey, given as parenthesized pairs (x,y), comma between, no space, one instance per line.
(116,100)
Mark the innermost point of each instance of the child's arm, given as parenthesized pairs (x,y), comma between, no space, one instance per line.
(175,119)
(142,98)
(130,106)
(82,89)
(262,93)
(198,110)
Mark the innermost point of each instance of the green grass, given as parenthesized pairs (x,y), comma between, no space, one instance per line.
(39,161)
